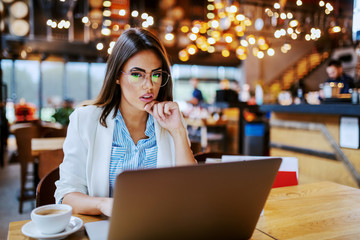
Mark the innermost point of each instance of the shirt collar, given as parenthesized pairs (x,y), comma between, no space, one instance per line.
(150,129)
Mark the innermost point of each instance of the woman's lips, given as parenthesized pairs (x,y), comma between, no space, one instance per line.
(147,98)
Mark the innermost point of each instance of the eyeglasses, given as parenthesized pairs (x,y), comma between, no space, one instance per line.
(158,78)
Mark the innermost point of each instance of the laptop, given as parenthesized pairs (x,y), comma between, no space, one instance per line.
(206,201)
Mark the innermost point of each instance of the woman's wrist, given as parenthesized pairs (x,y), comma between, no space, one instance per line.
(178,132)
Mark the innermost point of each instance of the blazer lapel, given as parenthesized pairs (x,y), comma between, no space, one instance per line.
(101,156)
(166,153)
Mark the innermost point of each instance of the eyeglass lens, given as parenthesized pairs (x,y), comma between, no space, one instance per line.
(157,78)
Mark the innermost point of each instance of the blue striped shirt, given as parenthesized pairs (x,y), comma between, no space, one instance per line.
(125,155)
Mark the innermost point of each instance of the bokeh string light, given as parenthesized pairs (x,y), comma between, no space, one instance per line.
(228,29)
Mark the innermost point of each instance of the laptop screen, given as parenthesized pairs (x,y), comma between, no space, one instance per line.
(208,201)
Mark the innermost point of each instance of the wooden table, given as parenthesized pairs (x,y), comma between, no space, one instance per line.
(16,234)
(321,210)
(43,144)
(15,229)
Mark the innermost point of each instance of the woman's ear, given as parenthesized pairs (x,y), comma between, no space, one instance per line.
(118,81)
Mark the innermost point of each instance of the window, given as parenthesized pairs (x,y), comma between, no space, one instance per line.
(97,76)
(77,81)
(6,67)
(53,88)
(27,75)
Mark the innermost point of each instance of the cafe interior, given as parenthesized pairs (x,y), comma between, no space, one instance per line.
(272,55)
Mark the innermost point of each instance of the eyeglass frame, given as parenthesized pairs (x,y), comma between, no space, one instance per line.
(162,85)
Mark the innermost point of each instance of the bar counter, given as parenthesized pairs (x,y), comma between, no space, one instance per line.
(312,134)
(332,109)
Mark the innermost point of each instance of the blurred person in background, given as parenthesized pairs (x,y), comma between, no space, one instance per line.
(225,93)
(197,97)
(337,75)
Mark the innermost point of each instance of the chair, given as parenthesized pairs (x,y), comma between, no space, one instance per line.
(46,188)
(48,131)
(23,135)
(49,160)
(195,147)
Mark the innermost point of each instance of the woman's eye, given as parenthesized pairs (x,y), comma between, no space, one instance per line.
(156,75)
(136,74)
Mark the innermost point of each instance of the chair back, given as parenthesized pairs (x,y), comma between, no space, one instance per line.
(53,130)
(46,188)
(49,160)
(23,135)
(24,132)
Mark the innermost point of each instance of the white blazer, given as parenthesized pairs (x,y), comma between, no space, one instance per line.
(87,150)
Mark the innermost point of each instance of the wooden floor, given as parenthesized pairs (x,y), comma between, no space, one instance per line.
(9,190)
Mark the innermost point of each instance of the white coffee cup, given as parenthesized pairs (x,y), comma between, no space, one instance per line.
(52,218)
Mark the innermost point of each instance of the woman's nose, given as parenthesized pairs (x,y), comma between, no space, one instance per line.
(147,81)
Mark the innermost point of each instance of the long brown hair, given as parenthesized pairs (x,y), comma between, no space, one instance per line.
(130,42)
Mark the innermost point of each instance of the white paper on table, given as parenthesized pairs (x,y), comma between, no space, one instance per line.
(213,160)
(349,132)
(288,164)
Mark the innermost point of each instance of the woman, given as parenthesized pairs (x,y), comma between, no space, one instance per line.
(132,124)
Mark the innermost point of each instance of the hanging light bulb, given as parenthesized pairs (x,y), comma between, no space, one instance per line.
(183,56)
(240,17)
(105,32)
(99,46)
(134,13)
(122,12)
(211,49)
(85,19)
(191,49)
(211,41)
(192,36)
(144,15)
(260,55)
(293,23)
(244,43)
(184,29)
(240,50)
(169,36)
(225,53)
(271,52)
(251,39)
(107,4)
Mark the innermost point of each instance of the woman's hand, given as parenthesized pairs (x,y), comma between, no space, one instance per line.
(84,204)
(167,114)
(105,206)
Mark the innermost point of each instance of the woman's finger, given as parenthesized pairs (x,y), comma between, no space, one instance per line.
(154,111)
(160,110)
(150,107)
(167,108)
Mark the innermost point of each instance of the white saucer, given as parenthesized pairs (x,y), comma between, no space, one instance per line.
(30,230)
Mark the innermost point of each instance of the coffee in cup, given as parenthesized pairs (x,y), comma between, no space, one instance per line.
(52,218)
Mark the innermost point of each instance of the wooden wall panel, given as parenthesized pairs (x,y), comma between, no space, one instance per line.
(313,168)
